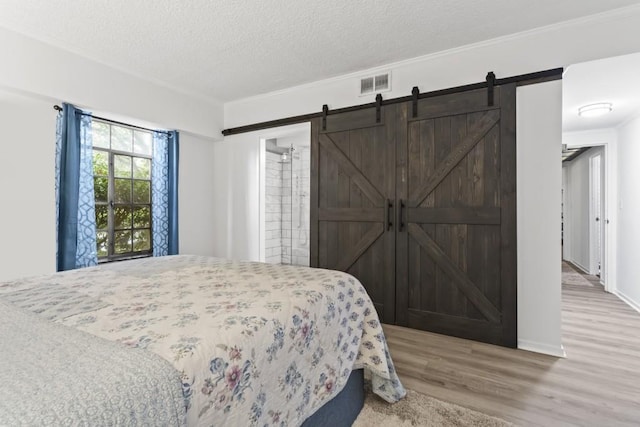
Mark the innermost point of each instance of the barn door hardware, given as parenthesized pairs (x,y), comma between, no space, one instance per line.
(491,81)
(378,106)
(388,213)
(325,110)
(414,93)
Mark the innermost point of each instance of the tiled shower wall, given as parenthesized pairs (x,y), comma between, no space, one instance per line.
(273,209)
(287,207)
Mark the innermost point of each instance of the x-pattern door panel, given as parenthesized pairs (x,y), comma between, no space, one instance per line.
(354,162)
(456,254)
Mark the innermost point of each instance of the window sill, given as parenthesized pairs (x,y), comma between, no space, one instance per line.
(123,258)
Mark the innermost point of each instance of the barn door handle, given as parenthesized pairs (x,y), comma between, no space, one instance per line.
(400,212)
(387,215)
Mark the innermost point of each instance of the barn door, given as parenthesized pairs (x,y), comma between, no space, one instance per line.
(456,255)
(352,200)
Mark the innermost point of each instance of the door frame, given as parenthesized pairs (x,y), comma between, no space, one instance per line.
(610,146)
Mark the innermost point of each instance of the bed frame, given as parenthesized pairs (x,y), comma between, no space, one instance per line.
(343,409)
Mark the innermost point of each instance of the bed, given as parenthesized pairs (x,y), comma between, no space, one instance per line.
(249,343)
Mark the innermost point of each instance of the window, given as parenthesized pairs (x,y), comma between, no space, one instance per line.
(122,187)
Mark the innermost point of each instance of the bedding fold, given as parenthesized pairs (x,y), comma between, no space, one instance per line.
(51,374)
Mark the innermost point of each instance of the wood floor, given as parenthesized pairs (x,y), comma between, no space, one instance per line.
(597,384)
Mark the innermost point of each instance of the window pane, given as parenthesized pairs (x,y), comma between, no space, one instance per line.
(123,190)
(100,134)
(101,243)
(122,166)
(141,168)
(141,191)
(142,240)
(100,163)
(122,242)
(102,217)
(121,139)
(141,217)
(142,142)
(101,189)
(122,217)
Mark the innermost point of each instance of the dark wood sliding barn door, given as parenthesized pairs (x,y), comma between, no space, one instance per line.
(420,206)
(456,246)
(352,200)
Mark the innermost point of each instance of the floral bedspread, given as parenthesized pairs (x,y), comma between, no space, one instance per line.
(254,344)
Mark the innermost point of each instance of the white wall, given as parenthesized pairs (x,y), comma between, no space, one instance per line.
(576,220)
(196,190)
(33,77)
(54,74)
(236,219)
(27,186)
(605,35)
(577,209)
(539,179)
(628,252)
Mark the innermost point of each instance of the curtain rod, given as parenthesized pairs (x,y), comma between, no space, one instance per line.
(520,80)
(82,113)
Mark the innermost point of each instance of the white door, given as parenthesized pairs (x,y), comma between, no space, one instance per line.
(595,216)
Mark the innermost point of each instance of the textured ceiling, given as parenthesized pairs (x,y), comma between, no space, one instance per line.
(232,49)
(615,80)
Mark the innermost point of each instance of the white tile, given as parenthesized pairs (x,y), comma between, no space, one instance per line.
(272,225)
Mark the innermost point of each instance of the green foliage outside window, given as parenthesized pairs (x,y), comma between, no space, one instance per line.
(122,186)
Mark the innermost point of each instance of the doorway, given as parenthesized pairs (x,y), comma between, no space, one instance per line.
(583,208)
(285,187)
(607,91)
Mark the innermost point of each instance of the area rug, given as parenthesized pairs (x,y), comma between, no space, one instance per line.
(571,277)
(417,409)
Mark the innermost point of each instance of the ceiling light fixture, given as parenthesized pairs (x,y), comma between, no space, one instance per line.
(594,110)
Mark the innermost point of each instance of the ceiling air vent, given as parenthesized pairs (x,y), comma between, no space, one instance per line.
(375,84)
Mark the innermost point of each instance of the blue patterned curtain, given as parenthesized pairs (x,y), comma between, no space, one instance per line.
(164,181)
(75,208)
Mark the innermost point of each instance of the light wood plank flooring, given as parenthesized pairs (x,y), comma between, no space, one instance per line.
(597,384)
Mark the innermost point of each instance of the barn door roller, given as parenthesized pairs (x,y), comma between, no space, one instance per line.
(378,106)
(325,110)
(491,81)
(414,98)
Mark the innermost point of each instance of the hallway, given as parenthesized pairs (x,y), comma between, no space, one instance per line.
(597,384)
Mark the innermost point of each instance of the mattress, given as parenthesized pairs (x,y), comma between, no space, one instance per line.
(252,343)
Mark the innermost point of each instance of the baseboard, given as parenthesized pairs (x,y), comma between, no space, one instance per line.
(583,269)
(537,347)
(631,303)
